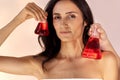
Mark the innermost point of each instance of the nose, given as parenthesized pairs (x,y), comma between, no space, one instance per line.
(64,22)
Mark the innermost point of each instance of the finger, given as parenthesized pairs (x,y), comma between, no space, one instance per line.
(35,11)
(91,30)
(100,29)
(39,11)
(44,14)
(31,11)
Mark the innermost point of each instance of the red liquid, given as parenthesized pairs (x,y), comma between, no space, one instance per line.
(92,49)
(42,29)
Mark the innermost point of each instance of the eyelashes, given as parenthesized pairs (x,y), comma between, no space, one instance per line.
(68,17)
(56,17)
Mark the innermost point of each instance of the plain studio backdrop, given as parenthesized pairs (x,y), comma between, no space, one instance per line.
(24,42)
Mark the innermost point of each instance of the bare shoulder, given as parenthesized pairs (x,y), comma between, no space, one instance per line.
(109,57)
(109,66)
(108,60)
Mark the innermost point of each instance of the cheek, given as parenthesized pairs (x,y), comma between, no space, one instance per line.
(78,25)
(78,30)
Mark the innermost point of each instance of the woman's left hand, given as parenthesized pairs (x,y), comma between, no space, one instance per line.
(104,41)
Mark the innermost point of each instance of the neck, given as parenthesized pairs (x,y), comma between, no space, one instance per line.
(72,49)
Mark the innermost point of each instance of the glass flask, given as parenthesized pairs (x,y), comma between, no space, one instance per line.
(42,29)
(92,48)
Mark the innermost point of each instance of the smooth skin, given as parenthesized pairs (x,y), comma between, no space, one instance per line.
(69,26)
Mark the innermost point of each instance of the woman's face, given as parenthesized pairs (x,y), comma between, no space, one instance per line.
(68,21)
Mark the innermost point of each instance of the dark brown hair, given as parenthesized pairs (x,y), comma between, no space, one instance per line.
(52,43)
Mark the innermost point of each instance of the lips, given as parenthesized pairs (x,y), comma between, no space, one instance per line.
(65,32)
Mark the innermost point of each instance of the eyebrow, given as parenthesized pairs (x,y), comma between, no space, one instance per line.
(72,12)
(66,13)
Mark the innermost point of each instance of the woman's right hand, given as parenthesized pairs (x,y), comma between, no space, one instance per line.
(31,10)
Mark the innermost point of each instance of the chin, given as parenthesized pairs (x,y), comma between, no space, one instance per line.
(66,39)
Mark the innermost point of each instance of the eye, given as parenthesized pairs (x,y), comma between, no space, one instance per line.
(56,17)
(72,16)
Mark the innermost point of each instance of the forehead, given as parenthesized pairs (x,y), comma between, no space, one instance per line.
(64,6)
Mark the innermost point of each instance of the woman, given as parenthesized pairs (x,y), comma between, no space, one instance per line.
(69,26)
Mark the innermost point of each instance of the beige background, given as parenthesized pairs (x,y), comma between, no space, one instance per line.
(23,41)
